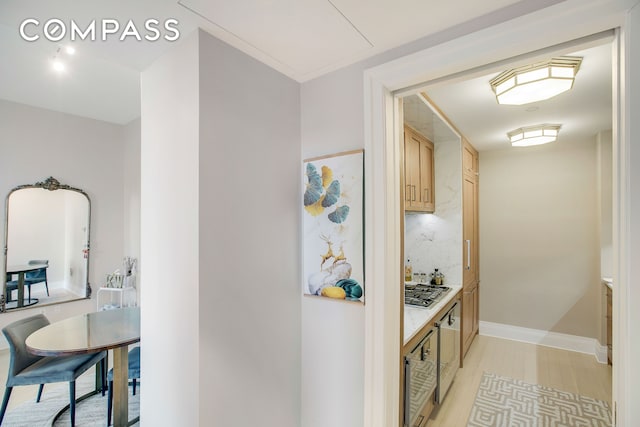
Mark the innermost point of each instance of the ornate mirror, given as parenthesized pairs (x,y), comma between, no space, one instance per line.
(46,245)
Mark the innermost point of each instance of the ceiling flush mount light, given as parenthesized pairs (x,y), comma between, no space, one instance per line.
(533,135)
(536,82)
(58,62)
(58,65)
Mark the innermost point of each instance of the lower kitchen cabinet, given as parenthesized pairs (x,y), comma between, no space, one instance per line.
(470,315)
(430,361)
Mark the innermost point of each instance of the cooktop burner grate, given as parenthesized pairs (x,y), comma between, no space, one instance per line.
(423,295)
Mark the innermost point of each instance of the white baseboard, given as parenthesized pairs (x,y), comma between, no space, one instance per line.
(601,353)
(546,338)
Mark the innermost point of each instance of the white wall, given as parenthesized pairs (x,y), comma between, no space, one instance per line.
(539,239)
(221,169)
(434,240)
(169,238)
(332,332)
(84,153)
(131,202)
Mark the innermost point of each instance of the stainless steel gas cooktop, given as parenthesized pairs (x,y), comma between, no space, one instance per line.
(423,295)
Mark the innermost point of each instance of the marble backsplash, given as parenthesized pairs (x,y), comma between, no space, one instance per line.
(435,240)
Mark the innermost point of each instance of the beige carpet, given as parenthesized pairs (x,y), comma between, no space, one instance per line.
(506,402)
(89,413)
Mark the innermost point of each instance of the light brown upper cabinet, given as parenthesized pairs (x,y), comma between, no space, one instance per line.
(470,265)
(419,195)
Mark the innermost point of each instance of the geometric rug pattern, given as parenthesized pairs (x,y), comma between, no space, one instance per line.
(91,412)
(507,402)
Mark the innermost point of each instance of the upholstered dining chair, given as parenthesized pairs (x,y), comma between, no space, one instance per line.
(28,369)
(36,276)
(11,285)
(134,374)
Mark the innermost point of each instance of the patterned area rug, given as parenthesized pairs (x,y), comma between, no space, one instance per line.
(89,413)
(506,402)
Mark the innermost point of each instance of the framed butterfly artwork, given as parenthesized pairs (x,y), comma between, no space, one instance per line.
(333,226)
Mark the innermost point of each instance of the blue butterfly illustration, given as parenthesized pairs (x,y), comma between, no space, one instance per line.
(314,186)
(339,215)
(333,194)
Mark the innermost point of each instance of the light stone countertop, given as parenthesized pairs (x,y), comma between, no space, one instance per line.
(608,281)
(416,317)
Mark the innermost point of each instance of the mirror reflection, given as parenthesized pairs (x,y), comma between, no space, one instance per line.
(47,245)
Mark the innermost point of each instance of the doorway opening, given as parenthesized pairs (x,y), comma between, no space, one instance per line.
(545,237)
(449,62)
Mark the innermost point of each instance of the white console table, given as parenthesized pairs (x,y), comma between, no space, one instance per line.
(121,292)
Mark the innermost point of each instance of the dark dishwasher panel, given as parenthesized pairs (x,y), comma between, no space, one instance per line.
(420,373)
(448,350)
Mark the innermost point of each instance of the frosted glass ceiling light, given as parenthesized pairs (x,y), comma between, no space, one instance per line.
(58,65)
(536,82)
(533,135)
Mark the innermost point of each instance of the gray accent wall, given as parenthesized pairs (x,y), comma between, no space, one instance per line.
(249,241)
(221,181)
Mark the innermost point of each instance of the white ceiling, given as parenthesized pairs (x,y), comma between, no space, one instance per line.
(301,38)
(471,105)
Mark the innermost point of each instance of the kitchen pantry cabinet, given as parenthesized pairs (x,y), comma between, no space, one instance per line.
(419,177)
(430,361)
(470,265)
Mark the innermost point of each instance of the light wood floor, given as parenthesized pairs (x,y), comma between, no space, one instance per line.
(564,370)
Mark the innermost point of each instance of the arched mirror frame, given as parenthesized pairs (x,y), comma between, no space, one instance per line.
(50,184)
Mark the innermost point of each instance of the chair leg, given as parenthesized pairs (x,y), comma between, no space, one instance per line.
(72,402)
(46,284)
(134,386)
(39,392)
(29,287)
(5,401)
(103,376)
(109,402)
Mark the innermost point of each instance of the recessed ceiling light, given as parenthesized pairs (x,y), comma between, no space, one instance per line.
(70,50)
(533,135)
(536,82)
(58,65)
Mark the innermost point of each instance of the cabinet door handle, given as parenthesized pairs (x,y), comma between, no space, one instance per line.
(414,193)
(426,195)
(407,196)
(468,254)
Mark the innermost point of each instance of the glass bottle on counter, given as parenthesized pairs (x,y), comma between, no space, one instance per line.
(408,271)
(439,277)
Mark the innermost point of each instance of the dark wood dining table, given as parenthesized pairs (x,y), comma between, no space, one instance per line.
(20,270)
(90,333)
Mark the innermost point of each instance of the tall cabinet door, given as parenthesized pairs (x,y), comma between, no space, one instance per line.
(470,247)
(469,232)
